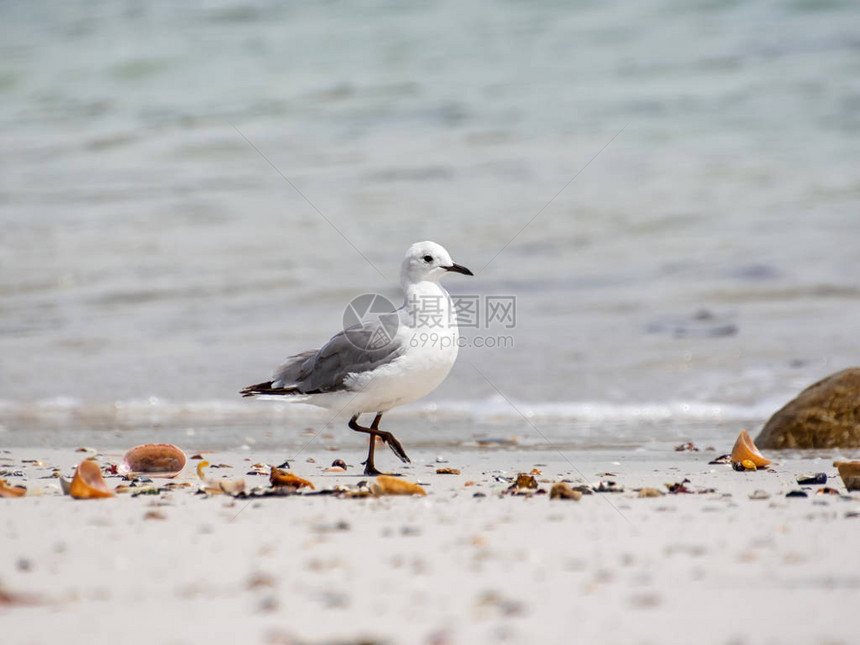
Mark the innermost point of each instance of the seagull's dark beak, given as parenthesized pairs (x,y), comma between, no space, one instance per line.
(459,269)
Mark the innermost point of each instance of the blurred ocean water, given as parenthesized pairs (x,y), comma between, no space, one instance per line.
(191,191)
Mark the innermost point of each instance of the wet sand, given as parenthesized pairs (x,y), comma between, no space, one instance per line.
(467,563)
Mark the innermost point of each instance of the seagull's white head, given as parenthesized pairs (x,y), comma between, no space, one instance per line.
(427,261)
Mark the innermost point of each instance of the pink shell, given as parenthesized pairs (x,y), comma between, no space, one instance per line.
(153,460)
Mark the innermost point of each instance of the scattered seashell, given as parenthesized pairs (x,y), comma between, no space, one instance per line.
(338,463)
(746,464)
(679,487)
(525,481)
(687,447)
(280,477)
(744,449)
(200,467)
(232,486)
(826,490)
(796,493)
(608,486)
(65,486)
(650,492)
(469,483)
(447,471)
(145,490)
(11,491)
(760,494)
(812,480)
(88,482)
(154,515)
(535,471)
(722,459)
(334,469)
(260,579)
(563,491)
(849,471)
(388,485)
(153,459)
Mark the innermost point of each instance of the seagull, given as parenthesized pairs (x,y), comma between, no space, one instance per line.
(383,361)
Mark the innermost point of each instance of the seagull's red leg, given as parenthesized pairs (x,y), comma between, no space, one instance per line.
(389,438)
(369,468)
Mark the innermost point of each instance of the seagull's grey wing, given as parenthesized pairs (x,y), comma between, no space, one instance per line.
(360,348)
(292,371)
(353,351)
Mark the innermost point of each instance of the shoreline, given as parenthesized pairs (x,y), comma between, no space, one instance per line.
(711,566)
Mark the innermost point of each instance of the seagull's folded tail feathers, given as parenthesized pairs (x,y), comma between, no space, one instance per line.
(266,388)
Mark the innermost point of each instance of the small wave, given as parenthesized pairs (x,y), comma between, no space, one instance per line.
(220,412)
(598,411)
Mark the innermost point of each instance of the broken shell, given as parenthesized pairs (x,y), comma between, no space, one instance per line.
(759,494)
(388,485)
(849,471)
(232,486)
(280,477)
(650,492)
(447,471)
(154,460)
(744,449)
(11,491)
(563,491)
(88,482)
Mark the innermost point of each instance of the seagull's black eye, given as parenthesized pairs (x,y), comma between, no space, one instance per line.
(428,258)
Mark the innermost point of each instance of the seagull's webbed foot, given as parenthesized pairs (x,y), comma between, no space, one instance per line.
(395,446)
(371,471)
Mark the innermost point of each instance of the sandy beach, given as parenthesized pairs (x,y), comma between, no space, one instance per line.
(470,562)
(657,202)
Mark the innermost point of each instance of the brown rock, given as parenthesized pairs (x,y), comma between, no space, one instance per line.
(849,471)
(824,415)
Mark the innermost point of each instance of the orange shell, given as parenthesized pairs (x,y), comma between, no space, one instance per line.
(280,477)
(153,460)
(745,449)
(388,485)
(11,491)
(88,482)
